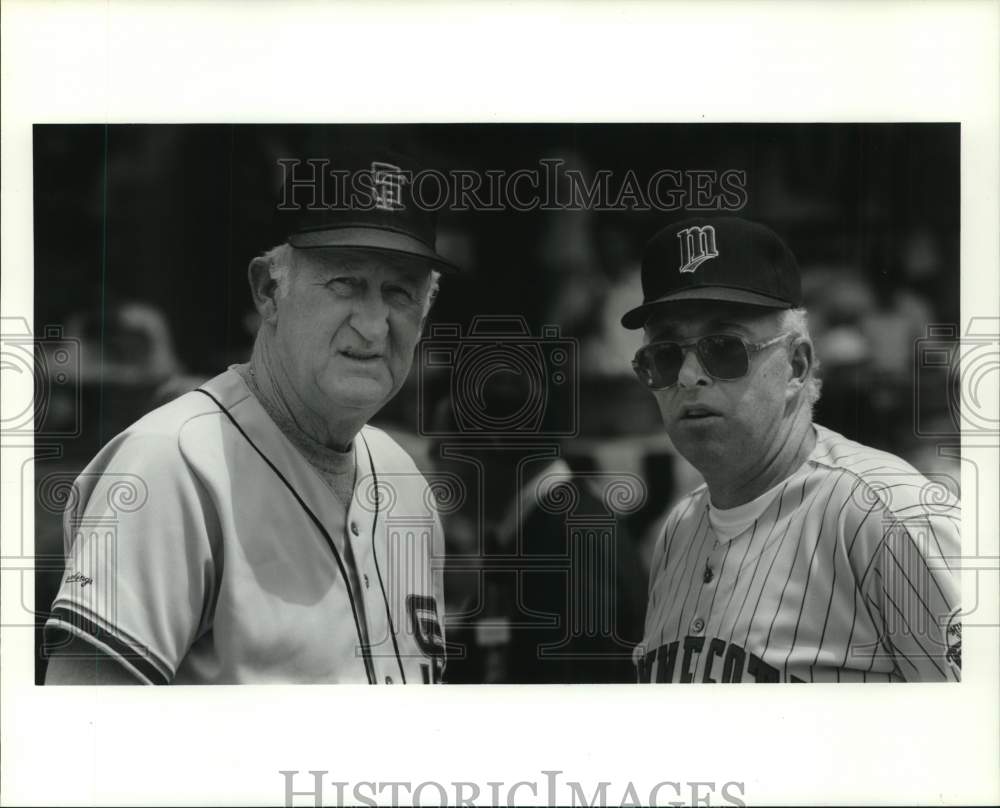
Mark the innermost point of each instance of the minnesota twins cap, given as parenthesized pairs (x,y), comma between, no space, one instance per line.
(726,259)
(357,200)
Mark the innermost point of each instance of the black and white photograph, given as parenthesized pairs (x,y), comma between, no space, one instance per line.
(426,404)
(545,380)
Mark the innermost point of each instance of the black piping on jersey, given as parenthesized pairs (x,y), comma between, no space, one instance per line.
(121,651)
(366,652)
(378,572)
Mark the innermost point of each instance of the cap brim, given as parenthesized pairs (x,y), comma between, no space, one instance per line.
(371,238)
(637,317)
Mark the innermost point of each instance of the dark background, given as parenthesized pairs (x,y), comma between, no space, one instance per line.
(171,215)
(143,234)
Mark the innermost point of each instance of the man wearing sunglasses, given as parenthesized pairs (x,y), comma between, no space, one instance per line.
(805,556)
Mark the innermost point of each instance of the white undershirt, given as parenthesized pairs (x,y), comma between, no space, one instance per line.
(729,523)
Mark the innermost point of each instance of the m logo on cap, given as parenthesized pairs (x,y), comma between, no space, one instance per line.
(697,247)
(388,186)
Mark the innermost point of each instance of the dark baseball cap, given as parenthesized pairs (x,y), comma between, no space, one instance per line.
(720,258)
(357,200)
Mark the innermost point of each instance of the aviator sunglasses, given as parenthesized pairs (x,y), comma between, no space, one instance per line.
(723,356)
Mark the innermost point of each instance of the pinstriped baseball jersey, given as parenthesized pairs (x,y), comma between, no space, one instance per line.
(190,560)
(841,573)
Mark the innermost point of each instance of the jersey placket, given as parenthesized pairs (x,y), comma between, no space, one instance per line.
(365,582)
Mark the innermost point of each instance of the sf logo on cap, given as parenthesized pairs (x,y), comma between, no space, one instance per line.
(387,186)
(697,246)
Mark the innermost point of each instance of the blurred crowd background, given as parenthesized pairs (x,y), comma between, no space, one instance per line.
(142,239)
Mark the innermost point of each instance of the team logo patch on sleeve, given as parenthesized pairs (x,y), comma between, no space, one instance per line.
(953,636)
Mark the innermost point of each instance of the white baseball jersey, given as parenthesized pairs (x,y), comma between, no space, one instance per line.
(203,548)
(843,572)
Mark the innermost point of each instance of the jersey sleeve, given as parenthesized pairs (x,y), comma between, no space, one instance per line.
(658,557)
(139,565)
(911,586)
(654,587)
(664,542)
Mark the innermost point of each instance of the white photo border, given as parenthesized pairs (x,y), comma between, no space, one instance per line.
(301,62)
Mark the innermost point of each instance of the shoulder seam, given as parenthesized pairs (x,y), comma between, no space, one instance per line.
(861,480)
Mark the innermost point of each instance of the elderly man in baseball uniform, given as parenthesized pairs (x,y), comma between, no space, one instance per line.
(257,529)
(805,556)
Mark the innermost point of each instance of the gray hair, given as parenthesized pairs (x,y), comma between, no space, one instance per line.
(281,260)
(796,322)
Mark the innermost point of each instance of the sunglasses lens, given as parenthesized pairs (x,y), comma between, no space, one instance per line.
(658,365)
(724,357)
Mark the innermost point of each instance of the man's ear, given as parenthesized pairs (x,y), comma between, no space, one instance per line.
(432,293)
(264,289)
(801,363)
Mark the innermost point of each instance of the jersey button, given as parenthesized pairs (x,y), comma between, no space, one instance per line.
(388,680)
(698,625)
(367,582)
(354,528)
(708,576)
